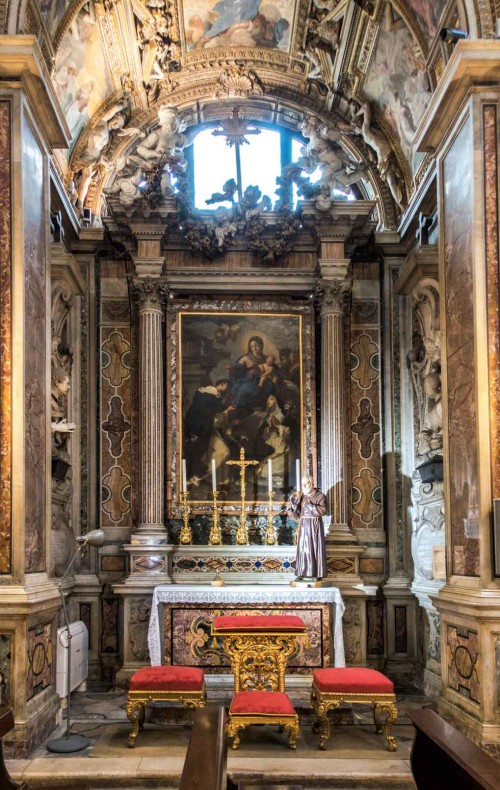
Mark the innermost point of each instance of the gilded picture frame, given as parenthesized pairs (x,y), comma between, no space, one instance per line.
(242,376)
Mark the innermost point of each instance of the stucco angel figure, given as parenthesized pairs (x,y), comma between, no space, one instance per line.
(309,506)
(168,139)
(223,224)
(114,120)
(323,149)
(126,186)
(430,437)
(386,163)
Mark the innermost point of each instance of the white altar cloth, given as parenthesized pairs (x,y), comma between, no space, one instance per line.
(243,594)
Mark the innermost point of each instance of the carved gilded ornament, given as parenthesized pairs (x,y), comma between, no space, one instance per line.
(237,80)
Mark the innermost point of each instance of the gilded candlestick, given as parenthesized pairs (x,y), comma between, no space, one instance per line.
(270,537)
(186,536)
(215,536)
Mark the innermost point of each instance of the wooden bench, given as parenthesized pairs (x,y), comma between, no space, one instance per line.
(442,757)
(6,725)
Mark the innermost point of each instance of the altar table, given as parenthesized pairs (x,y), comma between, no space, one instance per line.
(241,596)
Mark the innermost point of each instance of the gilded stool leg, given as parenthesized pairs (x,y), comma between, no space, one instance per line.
(376,719)
(142,716)
(324,723)
(135,711)
(314,704)
(233,731)
(392,714)
(293,734)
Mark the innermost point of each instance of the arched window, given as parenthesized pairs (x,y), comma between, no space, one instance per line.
(252,154)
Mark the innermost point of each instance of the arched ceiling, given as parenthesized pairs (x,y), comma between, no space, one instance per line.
(364,67)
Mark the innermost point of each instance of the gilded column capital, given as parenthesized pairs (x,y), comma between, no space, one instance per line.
(334,296)
(150,293)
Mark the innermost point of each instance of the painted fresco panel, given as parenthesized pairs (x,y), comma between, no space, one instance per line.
(35,300)
(462,427)
(365,427)
(237,23)
(81,76)
(188,639)
(115,413)
(397,82)
(428,13)
(53,12)
(260,409)
(5,338)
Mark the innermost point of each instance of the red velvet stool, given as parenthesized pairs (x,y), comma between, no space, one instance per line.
(163,684)
(332,687)
(258,647)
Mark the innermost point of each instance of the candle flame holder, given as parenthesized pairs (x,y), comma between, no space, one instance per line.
(215,535)
(270,537)
(186,536)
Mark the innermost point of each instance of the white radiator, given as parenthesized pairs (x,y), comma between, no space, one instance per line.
(79,656)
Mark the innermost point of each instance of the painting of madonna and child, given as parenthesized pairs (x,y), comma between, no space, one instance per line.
(241,385)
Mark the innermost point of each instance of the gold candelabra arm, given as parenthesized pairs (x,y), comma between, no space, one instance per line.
(186,536)
(270,537)
(215,536)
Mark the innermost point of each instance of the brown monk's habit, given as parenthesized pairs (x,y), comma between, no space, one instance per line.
(311,555)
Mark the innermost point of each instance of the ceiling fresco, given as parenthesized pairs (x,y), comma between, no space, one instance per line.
(366,68)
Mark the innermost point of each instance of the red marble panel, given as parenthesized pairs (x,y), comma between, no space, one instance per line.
(366,460)
(35,318)
(5,338)
(116,422)
(491,229)
(459,354)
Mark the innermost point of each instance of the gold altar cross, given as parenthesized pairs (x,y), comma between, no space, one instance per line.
(242,533)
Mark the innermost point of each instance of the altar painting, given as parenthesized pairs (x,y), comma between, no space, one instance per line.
(241,383)
(189,641)
(237,23)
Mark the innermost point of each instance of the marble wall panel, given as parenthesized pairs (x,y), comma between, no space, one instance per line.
(40,658)
(5,337)
(400,629)
(490,132)
(462,647)
(110,641)
(497,670)
(115,417)
(375,627)
(35,318)
(5,668)
(459,306)
(365,407)
(85,615)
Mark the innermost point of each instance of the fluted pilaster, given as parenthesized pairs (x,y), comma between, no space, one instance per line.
(151,294)
(335,296)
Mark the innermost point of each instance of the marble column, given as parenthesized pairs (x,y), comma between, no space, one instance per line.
(335,296)
(150,294)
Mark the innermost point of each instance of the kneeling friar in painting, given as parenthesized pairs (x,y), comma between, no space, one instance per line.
(309,506)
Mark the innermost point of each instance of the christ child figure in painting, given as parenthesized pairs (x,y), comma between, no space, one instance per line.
(309,506)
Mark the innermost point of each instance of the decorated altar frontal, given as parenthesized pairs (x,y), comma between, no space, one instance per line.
(181,616)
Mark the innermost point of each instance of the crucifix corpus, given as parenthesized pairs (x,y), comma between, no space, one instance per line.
(242,533)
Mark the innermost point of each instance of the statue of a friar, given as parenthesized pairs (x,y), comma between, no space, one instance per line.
(309,505)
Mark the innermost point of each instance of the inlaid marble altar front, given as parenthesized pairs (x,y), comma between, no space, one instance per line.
(180,632)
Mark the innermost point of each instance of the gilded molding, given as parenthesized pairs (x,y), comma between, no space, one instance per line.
(5,338)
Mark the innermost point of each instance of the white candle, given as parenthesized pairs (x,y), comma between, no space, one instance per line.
(269,475)
(297,474)
(214,478)
(184,476)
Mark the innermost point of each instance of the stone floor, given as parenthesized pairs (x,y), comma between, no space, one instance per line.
(356,757)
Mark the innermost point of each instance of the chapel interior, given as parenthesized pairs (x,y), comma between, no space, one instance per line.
(259,232)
